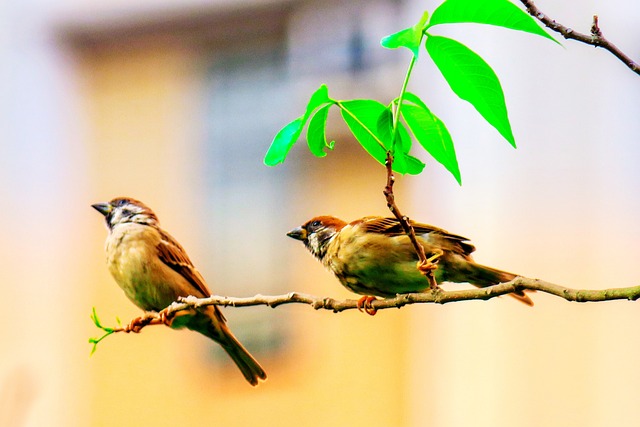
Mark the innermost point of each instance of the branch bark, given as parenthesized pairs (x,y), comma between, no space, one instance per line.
(437,296)
(434,296)
(595,38)
(425,266)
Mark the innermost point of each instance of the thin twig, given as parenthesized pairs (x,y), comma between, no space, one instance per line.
(435,296)
(424,265)
(595,38)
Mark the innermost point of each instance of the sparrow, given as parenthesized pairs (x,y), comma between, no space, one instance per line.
(373,256)
(154,270)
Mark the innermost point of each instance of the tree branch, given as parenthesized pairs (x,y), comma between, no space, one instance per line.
(435,296)
(425,266)
(595,38)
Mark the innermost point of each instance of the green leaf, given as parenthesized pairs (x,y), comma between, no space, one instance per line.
(433,135)
(319,97)
(94,317)
(473,80)
(412,97)
(362,117)
(384,124)
(401,159)
(316,135)
(500,13)
(107,332)
(403,140)
(409,37)
(283,141)
(288,135)
(408,163)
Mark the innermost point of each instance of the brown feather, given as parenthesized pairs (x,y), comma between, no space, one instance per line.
(392,227)
(173,255)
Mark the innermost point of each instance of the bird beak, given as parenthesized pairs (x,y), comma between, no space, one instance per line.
(298,233)
(103,208)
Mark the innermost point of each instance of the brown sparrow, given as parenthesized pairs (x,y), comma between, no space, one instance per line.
(153,270)
(374,256)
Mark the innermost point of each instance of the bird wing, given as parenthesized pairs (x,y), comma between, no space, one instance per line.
(392,227)
(173,255)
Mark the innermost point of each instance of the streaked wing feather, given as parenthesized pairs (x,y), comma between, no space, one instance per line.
(392,227)
(172,254)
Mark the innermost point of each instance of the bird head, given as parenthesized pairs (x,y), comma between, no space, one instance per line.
(123,210)
(317,233)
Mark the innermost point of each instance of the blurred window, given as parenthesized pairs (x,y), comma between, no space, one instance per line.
(246,90)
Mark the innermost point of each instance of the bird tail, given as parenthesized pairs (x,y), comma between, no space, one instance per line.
(215,327)
(483,276)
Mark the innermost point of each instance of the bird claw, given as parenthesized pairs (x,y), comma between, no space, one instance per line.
(166,318)
(364,304)
(431,263)
(149,318)
(428,266)
(137,324)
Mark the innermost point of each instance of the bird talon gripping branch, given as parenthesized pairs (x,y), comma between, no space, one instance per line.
(426,267)
(429,266)
(364,304)
(137,324)
(166,318)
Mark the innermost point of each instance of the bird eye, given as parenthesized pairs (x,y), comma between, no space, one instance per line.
(315,224)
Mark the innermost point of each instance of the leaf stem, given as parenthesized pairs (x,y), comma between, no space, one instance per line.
(424,266)
(396,111)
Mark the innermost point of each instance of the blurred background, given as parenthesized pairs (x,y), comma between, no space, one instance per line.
(175,103)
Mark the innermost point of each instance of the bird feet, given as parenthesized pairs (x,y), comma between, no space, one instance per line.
(429,266)
(364,304)
(138,323)
(431,263)
(149,318)
(166,317)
